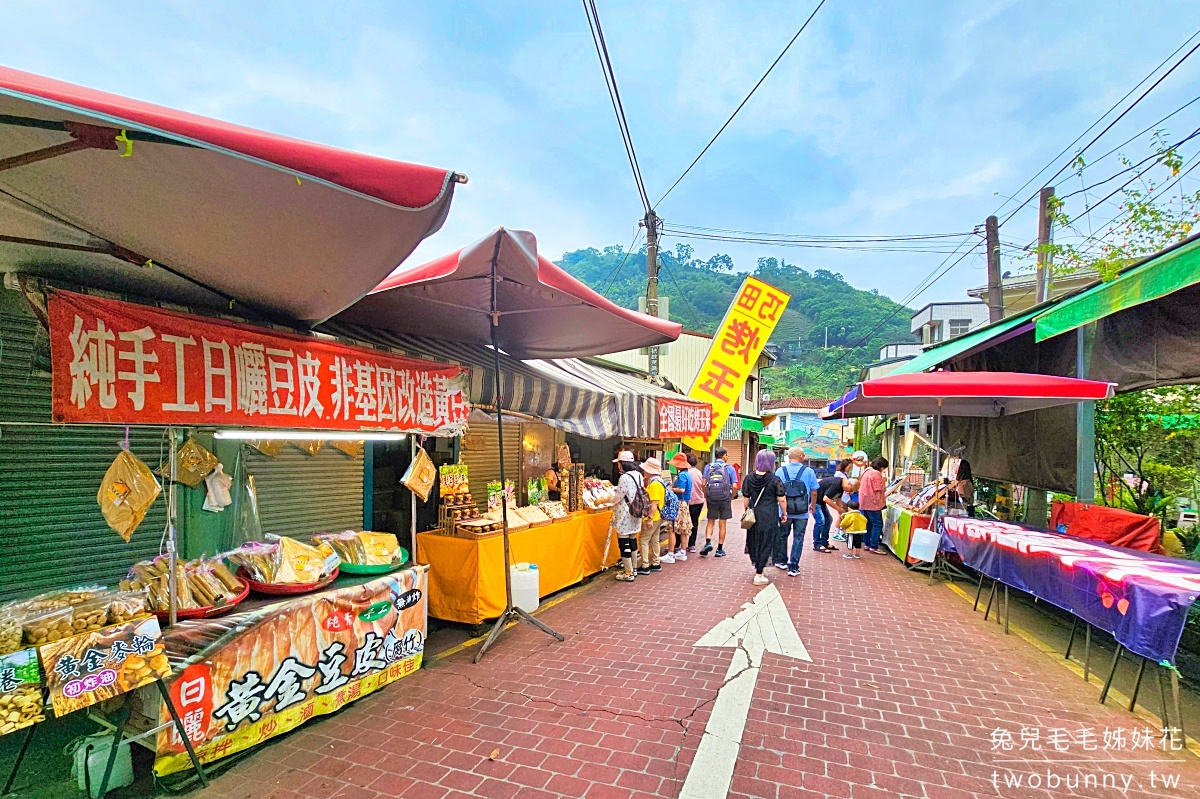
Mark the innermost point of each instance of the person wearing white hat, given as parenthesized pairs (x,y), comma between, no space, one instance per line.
(650,538)
(627,524)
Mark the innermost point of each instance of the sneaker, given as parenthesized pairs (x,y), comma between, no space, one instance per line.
(781,566)
(625,577)
(646,570)
(707,548)
(679,555)
(656,568)
(720,553)
(692,548)
(848,555)
(793,572)
(761,579)
(839,536)
(667,558)
(858,556)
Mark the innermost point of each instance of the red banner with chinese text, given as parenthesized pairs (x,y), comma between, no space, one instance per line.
(740,339)
(121,363)
(677,419)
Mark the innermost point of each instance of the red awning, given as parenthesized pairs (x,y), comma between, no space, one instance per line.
(963,394)
(92,186)
(542,311)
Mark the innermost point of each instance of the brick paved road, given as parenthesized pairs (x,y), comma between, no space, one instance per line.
(902,698)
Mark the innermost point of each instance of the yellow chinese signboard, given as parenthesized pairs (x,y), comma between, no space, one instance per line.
(739,341)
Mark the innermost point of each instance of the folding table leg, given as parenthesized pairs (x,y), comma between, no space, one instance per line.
(1175,697)
(187,742)
(118,736)
(1111,673)
(1137,685)
(1087,654)
(16,766)
(1162,697)
(991,596)
(1006,609)
(978,593)
(1071,640)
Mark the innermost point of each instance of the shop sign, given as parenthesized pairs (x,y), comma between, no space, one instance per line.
(739,341)
(677,419)
(20,691)
(117,362)
(291,662)
(87,669)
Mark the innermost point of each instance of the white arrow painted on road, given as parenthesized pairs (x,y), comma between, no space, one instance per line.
(763,625)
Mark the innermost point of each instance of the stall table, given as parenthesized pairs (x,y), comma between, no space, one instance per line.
(899,523)
(466,576)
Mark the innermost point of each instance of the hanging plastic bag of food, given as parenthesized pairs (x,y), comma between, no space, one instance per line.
(420,475)
(352,448)
(126,493)
(194,463)
(218,483)
(309,447)
(271,447)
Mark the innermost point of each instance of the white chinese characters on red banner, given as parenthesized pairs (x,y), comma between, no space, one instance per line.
(119,363)
(683,419)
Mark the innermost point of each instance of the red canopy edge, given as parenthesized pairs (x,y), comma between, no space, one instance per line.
(986,384)
(412,186)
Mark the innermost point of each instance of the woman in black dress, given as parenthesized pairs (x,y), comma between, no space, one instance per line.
(764,492)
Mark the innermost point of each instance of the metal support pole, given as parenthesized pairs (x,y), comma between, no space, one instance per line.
(172,541)
(1087,654)
(1178,712)
(978,593)
(412,498)
(1162,698)
(1112,672)
(16,766)
(1137,685)
(991,598)
(651,222)
(187,742)
(1006,615)
(118,734)
(1085,421)
(1071,640)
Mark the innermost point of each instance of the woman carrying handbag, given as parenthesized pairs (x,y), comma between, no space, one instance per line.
(766,506)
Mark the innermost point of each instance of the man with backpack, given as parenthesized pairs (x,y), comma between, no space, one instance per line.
(720,487)
(800,485)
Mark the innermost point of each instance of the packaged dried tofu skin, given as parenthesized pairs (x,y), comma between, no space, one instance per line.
(421,475)
(381,549)
(193,463)
(309,447)
(353,449)
(299,563)
(271,447)
(347,545)
(126,493)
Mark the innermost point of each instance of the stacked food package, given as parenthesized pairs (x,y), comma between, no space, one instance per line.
(554,510)
(362,548)
(285,561)
(57,615)
(200,583)
(599,494)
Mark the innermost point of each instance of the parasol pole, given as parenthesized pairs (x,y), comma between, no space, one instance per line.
(172,544)
(412,506)
(511,613)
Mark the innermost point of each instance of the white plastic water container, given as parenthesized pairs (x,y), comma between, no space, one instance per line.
(525,586)
(90,757)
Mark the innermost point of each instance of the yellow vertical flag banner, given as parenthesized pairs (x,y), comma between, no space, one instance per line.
(739,341)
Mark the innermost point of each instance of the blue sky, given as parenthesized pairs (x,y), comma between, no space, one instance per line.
(885,118)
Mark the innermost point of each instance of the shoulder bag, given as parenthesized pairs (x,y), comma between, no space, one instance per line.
(748,518)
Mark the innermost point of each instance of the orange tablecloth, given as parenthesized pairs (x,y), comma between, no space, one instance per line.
(466,577)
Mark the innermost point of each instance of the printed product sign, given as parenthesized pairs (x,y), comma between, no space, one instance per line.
(739,341)
(676,419)
(116,362)
(276,668)
(20,691)
(84,670)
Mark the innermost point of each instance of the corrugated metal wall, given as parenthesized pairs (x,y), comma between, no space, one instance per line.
(299,494)
(54,533)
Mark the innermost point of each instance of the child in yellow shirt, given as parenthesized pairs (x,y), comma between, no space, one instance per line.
(854,524)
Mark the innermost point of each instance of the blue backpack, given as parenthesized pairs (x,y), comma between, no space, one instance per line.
(670,508)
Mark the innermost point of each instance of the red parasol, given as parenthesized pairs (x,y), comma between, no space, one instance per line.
(99,189)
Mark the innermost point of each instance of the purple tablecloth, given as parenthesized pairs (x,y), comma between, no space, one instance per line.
(1141,599)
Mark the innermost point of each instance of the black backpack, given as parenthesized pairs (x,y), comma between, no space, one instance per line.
(639,506)
(797,492)
(716,483)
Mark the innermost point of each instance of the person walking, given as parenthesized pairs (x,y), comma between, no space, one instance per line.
(650,537)
(766,496)
(964,486)
(801,486)
(829,499)
(720,486)
(842,472)
(696,501)
(682,526)
(854,524)
(872,493)
(627,523)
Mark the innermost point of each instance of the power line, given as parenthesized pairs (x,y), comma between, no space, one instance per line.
(1130,168)
(1089,128)
(612,278)
(831,238)
(743,103)
(901,247)
(686,301)
(614,95)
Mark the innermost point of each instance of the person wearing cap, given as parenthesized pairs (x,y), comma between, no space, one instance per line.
(681,528)
(650,537)
(625,523)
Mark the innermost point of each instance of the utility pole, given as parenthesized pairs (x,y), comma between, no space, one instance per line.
(995,293)
(651,223)
(826,336)
(1043,254)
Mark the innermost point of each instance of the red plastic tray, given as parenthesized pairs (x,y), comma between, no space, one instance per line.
(183,614)
(287,589)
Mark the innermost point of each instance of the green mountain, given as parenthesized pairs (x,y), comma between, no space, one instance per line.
(857,322)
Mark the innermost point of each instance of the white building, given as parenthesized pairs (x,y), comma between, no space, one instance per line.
(942,321)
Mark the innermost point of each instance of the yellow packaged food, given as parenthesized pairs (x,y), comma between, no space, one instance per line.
(421,475)
(381,549)
(352,448)
(126,493)
(271,447)
(193,463)
(299,563)
(309,447)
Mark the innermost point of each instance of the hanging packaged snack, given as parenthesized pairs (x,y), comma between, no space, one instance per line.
(421,475)
(271,447)
(126,493)
(309,447)
(193,463)
(353,449)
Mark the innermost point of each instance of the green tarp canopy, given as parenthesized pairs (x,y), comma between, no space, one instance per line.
(765,439)
(978,339)
(753,425)
(1157,277)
